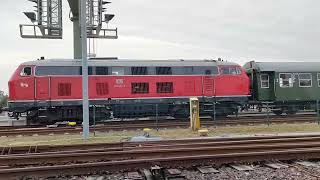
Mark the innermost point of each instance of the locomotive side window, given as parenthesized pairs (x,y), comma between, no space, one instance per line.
(139,70)
(264,78)
(102,71)
(58,70)
(164,87)
(230,70)
(205,70)
(285,80)
(26,71)
(117,71)
(188,70)
(89,70)
(305,80)
(164,70)
(318,77)
(139,88)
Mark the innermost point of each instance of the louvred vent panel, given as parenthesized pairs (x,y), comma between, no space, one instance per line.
(64,89)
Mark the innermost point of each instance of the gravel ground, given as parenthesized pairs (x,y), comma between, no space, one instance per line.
(260,172)
(263,173)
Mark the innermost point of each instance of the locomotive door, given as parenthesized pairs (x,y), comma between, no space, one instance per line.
(208,85)
(42,88)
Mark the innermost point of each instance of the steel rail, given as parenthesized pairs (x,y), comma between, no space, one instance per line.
(8,150)
(181,160)
(155,152)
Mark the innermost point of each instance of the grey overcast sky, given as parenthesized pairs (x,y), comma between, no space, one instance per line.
(236,30)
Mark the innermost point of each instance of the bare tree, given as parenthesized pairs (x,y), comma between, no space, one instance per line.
(3,99)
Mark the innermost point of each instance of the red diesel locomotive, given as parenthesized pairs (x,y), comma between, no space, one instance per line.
(50,90)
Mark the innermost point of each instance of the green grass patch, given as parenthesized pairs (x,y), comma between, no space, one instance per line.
(118,136)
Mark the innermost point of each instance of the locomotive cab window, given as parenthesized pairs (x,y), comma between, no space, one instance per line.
(26,71)
(264,78)
(230,70)
(285,80)
(305,80)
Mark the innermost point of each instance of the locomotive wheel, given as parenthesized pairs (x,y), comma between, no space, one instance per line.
(291,112)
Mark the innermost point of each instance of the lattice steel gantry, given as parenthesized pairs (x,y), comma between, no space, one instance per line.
(47,21)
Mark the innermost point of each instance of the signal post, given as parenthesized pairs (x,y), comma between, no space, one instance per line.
(87,17)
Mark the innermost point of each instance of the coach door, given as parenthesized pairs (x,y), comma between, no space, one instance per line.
(42,88)
(208,84)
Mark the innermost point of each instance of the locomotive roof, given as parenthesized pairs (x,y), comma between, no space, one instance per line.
(125,62)
(284,66)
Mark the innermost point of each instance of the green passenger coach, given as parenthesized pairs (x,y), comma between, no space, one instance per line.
(286,86)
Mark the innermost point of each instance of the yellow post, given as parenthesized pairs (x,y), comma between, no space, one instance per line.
(194,114)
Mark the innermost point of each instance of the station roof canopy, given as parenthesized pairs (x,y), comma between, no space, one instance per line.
(283,66)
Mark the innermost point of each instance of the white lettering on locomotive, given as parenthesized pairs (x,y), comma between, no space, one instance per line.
(24,85)
(119,83)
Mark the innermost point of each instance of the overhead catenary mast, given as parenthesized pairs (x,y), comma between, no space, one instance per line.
(47,24)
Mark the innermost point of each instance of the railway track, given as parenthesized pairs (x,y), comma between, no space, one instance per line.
(133,125)
(168,153)
(241,116)
(12,150)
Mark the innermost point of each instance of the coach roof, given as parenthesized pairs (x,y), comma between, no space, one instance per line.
(125,62)
(284,66)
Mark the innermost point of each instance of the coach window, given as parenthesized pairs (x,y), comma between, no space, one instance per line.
(285,80)
(305,80)
(163,70)
(139,71)
(101,70)
(318,78)
(117,71)
(26,71)
(264,78)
